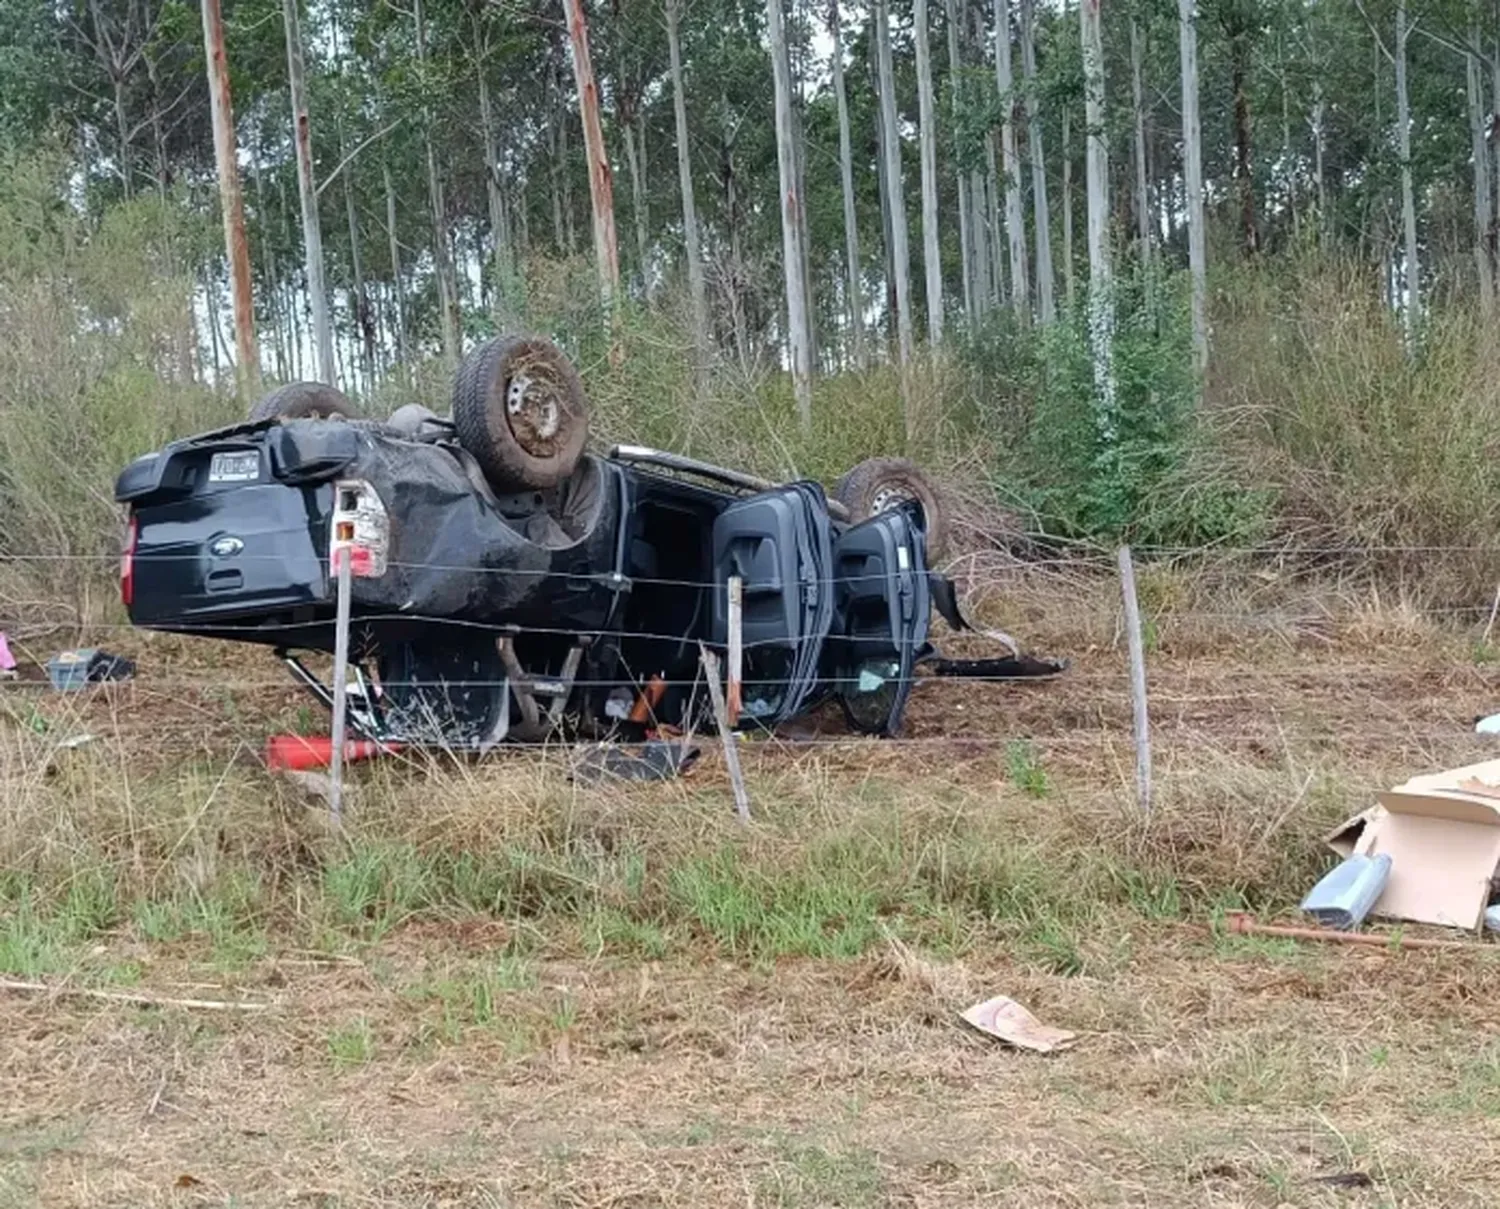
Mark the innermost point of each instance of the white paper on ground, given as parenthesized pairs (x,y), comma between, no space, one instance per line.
(1006,1019)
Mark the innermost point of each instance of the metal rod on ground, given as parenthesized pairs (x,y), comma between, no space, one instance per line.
(736,647)
(341,559)
(1137,680)
(1242,924)
(731,751)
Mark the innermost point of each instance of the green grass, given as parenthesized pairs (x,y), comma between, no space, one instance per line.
(610,930)
(351,1044)
(1026,771)
(806,1174)
(938,874)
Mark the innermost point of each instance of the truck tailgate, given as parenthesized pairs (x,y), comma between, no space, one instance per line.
(257,548)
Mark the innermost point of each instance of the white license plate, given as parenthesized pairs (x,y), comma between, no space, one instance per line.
(234,468)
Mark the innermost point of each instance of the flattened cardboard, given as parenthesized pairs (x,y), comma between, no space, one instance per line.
(1444,843)
(1345,838)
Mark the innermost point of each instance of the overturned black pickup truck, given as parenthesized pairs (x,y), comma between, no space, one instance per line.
(508,583)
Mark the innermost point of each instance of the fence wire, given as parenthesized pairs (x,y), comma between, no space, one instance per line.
(1225,704)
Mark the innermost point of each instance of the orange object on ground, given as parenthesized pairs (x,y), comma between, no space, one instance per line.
(316,751)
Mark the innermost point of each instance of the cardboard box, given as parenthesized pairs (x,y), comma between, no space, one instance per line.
(1344,839)
(1442,832)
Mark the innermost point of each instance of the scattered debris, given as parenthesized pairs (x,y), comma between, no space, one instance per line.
(284,752)
(70,671)
(1488,726)
(7,660)
(1344,838)
(1442,834)
(656,760)
(1345,895)
(1006,1019)
(1492,918)
(75,741)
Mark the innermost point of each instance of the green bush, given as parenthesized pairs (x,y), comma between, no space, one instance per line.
(1149,473)
(97,354)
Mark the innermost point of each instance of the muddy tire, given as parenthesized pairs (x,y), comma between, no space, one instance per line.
(878,484)
(520,410)
(303,401)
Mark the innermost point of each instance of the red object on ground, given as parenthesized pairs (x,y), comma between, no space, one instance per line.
(316,751)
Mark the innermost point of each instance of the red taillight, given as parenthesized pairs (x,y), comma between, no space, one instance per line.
(127,563)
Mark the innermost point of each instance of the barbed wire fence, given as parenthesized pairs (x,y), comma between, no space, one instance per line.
(1187,708)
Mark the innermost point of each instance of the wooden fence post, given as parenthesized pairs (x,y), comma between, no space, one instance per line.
(1136,642)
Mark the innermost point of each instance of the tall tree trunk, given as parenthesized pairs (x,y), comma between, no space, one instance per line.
(556,151)
(1101,285)
(635,164)
(163,171)
(1192,172)
(1138,113)
(979,245)
(1483,265)
(601,182)
(931,251)
(307,196)
(997,223)
(570,225)
(1494,226)
(403,351)
(268,272)
(888,258)
(794,256)
(987,284)
(856,293)
(965,233)
(697,291)
(122,126)
(900,256)
(237,249)
(1041,215)
(1319,112)
(211,309)
(799,146)
(364,317)
(564,178)
(735,274)
(442,249)
(1239,71)
(1289,167)
(1069,269)
(1412,296)
(500,250)
(1015,211)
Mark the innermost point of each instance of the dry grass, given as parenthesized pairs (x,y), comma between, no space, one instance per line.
(504,989)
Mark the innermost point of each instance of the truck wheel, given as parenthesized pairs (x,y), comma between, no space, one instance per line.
(878,484)
(520,410)
(303,401)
